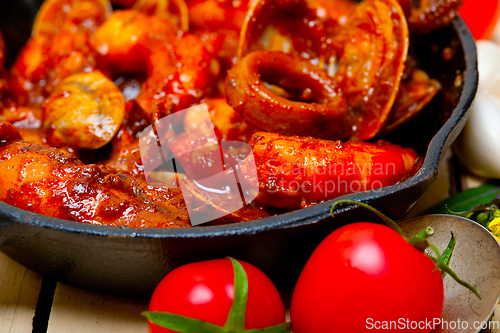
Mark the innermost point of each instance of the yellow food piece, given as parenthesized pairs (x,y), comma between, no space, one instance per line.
(85,111)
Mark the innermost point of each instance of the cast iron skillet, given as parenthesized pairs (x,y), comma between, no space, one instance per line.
(130,262)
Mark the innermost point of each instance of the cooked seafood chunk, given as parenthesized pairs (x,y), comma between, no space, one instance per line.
(44,180)
(297,172)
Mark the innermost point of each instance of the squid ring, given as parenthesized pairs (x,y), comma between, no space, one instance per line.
(304,99)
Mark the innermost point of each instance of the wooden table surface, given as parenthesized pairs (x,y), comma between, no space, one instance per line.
(30,303)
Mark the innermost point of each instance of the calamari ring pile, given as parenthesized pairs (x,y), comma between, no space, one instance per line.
(305,82)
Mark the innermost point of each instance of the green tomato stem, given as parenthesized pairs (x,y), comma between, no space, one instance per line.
(448,252)
(387,220)
(420,240)
(180,323)
(443,267)
(236,318)
(280,328)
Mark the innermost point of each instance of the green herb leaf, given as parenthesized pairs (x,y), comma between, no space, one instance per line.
(387,220)
(467,199)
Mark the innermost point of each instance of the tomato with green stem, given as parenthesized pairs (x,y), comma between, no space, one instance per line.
(367,276)
(217,296)
(480,16)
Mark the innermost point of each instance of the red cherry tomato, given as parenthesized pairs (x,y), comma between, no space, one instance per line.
(362,276)
(205,291)
(480,16)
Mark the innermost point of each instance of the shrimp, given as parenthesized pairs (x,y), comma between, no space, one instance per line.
(29,73)
(179,82)
(175,11)
(296,172)
(59,46)
(179,69)
(217,15)
(217,24)
(128,37)
(56,16)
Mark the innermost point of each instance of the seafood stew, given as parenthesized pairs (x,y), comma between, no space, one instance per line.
(90,81)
